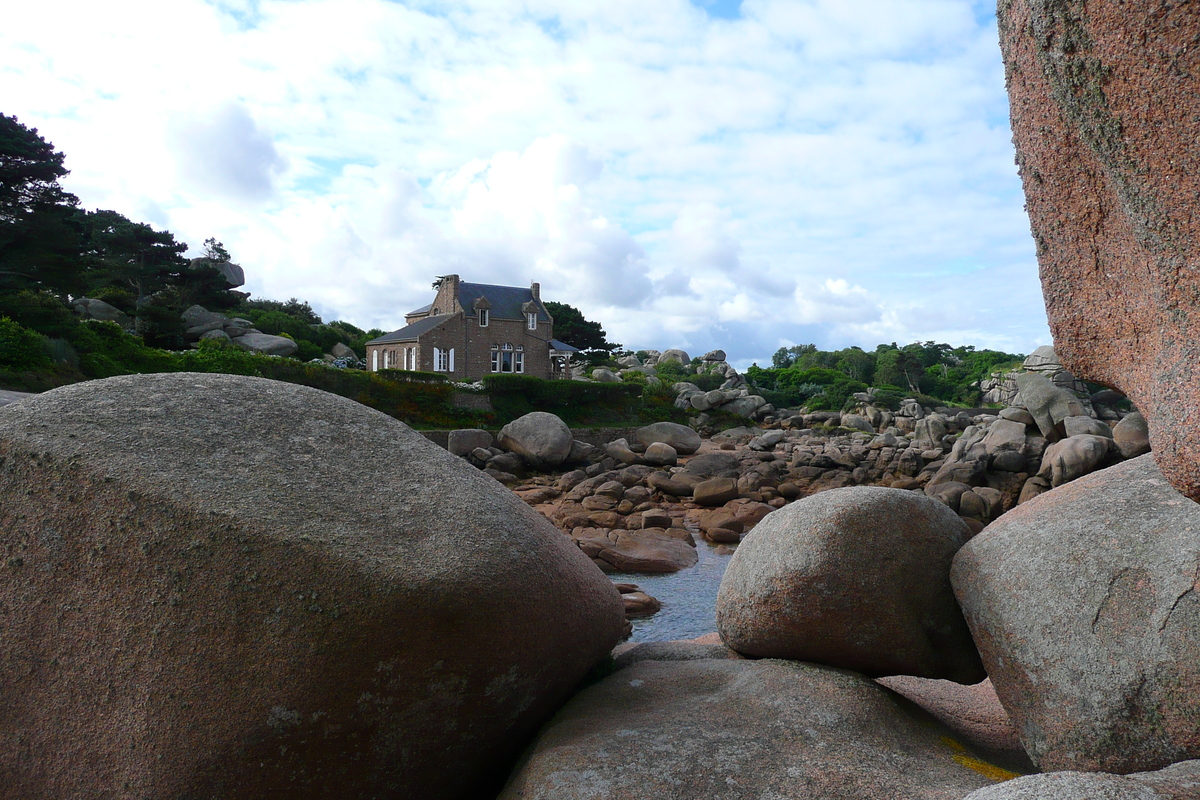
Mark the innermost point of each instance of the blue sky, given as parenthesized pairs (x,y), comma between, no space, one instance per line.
(743,175)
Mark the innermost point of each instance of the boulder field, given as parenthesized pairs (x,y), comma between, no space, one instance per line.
(227,587)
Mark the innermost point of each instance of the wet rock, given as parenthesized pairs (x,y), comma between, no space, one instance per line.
(648,550)
(626,655)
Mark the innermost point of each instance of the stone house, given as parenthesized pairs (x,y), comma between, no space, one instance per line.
(475,329)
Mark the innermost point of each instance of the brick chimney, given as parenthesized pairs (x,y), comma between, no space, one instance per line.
(536,289)
(446,301)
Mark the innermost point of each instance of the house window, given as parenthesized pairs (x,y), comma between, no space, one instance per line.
(410,358)
(483,317)
(386,353)
(443,360)
(531,320)
(504,359)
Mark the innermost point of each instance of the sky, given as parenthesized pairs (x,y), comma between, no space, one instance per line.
(707,174)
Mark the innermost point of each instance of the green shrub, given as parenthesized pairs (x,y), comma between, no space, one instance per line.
(307,351)
(836,395)
(707,382)
(671,372)
(39,311)
(22,350)
(412,375)
(60,351)
(577,403)
(117,297)
(106,350)
(278,323)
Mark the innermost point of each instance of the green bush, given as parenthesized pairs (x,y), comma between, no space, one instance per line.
(658,405)
(412,375)
(278,323)
(22,350)
(577,403)
(307,351)
(836,395)
(39,311)
(707,382)
(671,372)
(117,297)
(60,351)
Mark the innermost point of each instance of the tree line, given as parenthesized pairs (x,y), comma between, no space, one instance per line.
(824,379)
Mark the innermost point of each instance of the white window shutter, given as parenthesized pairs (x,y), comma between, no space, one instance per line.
(375,361)
(451,360)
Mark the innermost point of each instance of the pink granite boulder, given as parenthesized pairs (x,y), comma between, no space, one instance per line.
(1104,108)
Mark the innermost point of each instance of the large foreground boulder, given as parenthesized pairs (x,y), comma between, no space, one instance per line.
(541,438)
(722,728)
(855,578)
(218,586)
(1085,606)
(1111,182)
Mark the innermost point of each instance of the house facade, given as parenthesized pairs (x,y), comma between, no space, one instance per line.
(475,329)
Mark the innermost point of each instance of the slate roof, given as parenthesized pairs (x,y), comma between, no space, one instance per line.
(409,333)
(422,310)
(555,344)
(506,300)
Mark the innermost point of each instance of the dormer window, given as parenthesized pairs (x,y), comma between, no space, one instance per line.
(531,320)
(483,317)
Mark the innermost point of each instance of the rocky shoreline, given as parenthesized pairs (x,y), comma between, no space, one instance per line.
(201,543)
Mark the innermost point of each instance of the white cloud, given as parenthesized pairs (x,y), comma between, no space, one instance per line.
(223,153)
(811,171)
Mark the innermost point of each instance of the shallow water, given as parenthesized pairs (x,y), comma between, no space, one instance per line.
(689,597)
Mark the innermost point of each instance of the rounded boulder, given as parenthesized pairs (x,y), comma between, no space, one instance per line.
(541,438)
(858,578)
(222,586)
(1085,607)
(685,440)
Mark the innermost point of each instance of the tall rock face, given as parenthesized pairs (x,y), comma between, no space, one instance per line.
(226,587)
(1104,108)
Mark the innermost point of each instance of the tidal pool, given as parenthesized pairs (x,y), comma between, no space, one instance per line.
(689,597)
